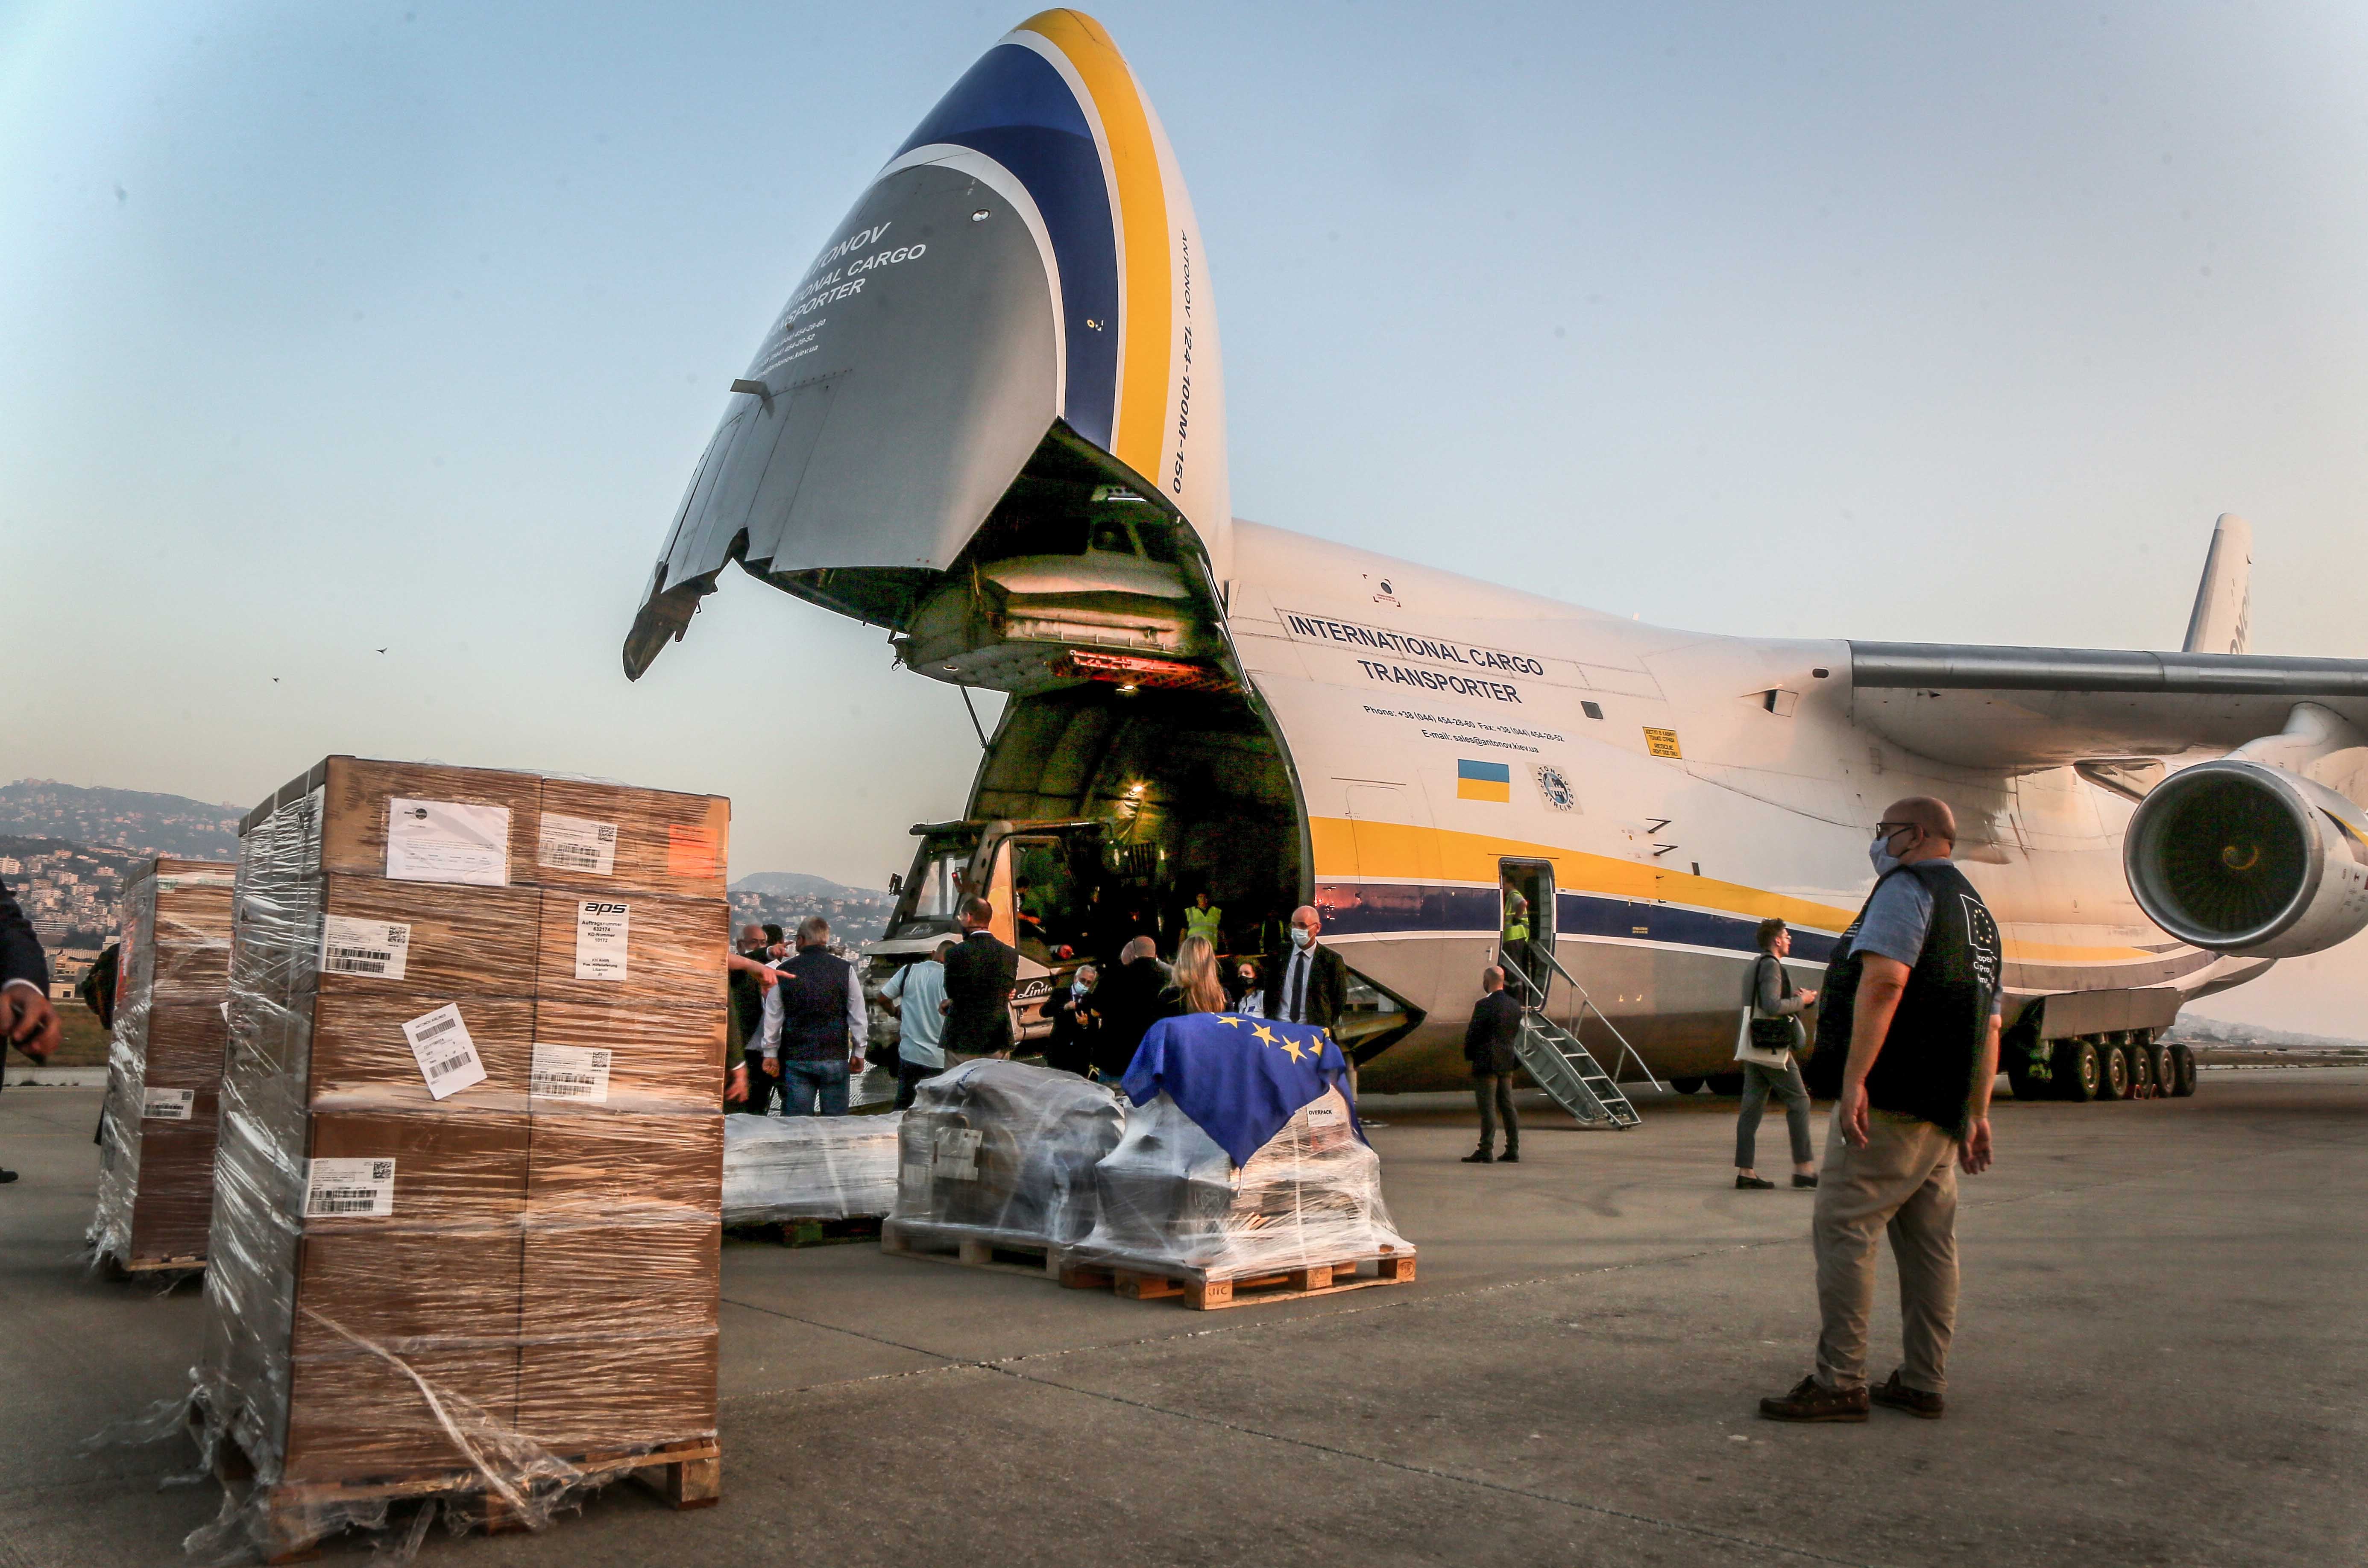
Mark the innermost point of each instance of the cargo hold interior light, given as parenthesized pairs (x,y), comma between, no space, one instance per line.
(1131,672)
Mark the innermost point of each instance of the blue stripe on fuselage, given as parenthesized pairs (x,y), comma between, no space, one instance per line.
(1372,909)
(1016,108)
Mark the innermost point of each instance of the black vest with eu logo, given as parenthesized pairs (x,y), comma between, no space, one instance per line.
(1929,1057)
(813,1006)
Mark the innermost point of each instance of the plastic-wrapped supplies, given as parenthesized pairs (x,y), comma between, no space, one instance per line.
(1169,1198)
(999,1151)
(163,1069)
(808,1168)
(467,1217)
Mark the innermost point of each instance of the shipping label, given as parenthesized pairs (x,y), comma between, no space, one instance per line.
(348,1188)
(167,1105)
(570,1073)
(447,1056)
(601,926)
(444,841)
(957,1153)
(374,947)
(576,843)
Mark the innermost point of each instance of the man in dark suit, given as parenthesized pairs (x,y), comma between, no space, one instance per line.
(1308,985)
(1132,998)
(1488,1043)
(980,974)
(26,1019)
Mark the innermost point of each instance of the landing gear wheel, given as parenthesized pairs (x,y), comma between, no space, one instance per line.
(2183,1061)
(2078,1070)
(2141,1079)
(2115,1078)
(1725,1083)
(1686,1085)
(2166,1071)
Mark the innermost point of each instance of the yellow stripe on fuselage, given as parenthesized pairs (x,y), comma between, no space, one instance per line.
(1146,304)
(1394,852)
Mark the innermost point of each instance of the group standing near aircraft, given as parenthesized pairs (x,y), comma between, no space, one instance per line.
(991,420)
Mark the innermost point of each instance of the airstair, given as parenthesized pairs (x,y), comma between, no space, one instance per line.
(1554,1053)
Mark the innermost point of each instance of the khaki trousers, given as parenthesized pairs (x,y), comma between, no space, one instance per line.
(1904,1181)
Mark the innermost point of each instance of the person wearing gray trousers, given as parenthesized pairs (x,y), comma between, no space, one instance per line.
(1772,996)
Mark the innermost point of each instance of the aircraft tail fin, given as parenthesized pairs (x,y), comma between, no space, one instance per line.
(2221,620)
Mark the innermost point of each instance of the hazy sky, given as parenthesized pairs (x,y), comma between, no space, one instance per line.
(329,328)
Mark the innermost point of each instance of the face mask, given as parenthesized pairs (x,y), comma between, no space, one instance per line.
(1077,987)
(1879,855)
(1299,937)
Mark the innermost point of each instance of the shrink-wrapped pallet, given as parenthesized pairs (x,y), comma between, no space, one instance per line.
(808,1168)
(1000,1153)
(1169,1198)
(468,1196)
(163,1068)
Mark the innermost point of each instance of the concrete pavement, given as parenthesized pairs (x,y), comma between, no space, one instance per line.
(2161,1359)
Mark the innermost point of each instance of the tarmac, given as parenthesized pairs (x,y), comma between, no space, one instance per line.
(2161,1359)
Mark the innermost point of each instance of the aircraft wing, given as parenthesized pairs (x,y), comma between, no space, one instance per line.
(2009,708)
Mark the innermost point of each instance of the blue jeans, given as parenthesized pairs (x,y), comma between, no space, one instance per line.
(804,1083)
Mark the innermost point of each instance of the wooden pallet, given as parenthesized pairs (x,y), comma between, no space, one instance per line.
(956,1243)
(124,1267)
(687,1474)
(1206,1293)
(811,1233)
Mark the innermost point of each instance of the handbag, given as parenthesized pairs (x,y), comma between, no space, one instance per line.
(1778,1035)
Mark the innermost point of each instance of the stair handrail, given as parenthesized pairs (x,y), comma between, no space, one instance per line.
(1586,1003)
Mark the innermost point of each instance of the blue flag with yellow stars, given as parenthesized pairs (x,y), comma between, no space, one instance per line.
(1240,1079)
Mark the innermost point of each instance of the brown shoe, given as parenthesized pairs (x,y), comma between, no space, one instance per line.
(1813,1401)
(1915,1402)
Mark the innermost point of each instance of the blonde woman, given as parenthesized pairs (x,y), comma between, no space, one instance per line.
(1198,987)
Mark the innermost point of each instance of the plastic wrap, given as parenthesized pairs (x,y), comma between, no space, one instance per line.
(999,1151)
(1168,1197)
(468,1193)
(157,1136)
(808,1168)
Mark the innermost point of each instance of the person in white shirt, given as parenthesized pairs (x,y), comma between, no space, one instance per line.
(916,994)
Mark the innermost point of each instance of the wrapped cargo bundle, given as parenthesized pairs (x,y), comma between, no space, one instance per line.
(808,1168)
(1242,1156)
(1168,1197)
(468,1198)
(163,1068)
(1003,1154)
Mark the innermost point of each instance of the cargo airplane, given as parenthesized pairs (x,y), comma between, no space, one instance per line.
(991,419)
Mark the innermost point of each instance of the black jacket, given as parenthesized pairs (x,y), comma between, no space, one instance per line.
(1071,1047)
(980,973)
(1132,998)
(1327,987)
(1488,1038)
(20,950)
(749,999)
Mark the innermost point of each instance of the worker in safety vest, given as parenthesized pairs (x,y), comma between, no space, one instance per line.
(1204,920)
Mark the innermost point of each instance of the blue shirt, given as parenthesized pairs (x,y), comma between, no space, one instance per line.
(917,988)
(1897,919)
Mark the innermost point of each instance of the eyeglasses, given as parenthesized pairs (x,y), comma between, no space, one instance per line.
(1892,829)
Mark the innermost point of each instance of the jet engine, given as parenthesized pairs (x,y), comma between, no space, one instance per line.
(2246,858)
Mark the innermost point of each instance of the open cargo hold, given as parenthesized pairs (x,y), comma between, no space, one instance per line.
(163,1068)
(468,1202)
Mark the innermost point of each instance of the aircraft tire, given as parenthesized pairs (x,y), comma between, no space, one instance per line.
(2183,1060)
(1686,1085)
(2113,1071)
(2165,1070)
(1724,1083)
(2143,1084)
(2078,1070)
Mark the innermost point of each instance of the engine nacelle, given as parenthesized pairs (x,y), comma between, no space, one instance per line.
(2242,858)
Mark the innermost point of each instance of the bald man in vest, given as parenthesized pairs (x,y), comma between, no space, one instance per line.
(1907,1045)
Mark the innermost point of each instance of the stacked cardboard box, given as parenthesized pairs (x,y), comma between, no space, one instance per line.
(469,1195)
(157,1153)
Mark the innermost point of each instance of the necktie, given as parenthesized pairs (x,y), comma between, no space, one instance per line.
(1297,1010)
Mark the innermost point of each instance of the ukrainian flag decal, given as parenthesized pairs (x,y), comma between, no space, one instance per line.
(1482,781)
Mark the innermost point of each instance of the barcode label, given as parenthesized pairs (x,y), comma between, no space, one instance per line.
(570,1073)
(339,1188)
(957,1153)
(602,929)
(576,843)
(167,1105)
(378,948)
(447,1056)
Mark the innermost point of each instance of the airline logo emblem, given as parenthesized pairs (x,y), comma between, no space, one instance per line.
(1482,781)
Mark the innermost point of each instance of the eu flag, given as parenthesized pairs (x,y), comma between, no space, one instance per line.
(1240,1079)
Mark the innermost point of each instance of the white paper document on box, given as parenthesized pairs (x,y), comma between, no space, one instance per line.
(378,948)
(570,1073)
(601,928)
(167,1105)
(447,1056)
(348,1188)
(576,843)
(444,841)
